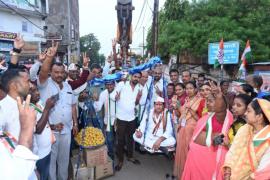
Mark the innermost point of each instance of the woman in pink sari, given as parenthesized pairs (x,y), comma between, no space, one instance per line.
(187,123)
(207,150)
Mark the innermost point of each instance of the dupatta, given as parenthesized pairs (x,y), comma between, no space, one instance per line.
(221,152)
(247,151)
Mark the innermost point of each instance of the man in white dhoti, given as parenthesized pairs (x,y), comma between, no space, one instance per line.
(156,128)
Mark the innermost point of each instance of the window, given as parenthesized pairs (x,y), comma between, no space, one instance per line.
(27,27)
(24,26)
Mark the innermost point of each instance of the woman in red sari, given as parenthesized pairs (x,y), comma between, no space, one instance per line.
(205,158)
(187,122)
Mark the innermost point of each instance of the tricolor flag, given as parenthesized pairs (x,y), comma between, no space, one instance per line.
(220,55)
(245,58)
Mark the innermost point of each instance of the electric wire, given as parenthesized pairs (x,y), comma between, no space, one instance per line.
(9,7)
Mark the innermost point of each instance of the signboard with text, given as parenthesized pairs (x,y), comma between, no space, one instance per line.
(231,52)
(7,35)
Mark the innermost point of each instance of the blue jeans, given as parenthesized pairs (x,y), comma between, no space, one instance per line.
(110,143)
(43,166)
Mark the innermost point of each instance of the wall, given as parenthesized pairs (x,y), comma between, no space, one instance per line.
(13,23)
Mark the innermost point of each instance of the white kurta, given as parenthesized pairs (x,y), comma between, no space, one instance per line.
(17,165)
(109,105)
(151,138)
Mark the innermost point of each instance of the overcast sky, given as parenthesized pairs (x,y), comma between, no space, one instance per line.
(99,17)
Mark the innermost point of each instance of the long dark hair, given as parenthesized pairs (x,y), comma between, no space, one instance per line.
(246,99)
(258,110)
(249,89)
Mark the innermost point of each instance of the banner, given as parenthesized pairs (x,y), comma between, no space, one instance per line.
(117,76)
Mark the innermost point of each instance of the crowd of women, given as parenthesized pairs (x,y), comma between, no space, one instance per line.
(221,134)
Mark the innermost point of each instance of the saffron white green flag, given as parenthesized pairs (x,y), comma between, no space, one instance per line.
(220,55)
(245,58)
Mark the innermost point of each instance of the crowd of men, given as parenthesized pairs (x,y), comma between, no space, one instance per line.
(43,108)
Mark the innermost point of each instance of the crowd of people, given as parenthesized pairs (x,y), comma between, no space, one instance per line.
(210,131)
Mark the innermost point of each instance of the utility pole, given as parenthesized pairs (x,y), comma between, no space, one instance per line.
(143,43)
(155,28)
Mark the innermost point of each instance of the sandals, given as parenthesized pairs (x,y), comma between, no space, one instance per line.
(134,161)
(119,166)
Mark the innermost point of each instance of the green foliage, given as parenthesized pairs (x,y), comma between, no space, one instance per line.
(188,27)
(90,44)
(102,59)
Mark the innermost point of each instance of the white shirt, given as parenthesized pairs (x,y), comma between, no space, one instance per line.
(151,125)
(109,105)
(106,69)
(42,142)
(17,165)
(141,106)
(158,85)
(9,116)
(62,111)
(126,103)
(33,73)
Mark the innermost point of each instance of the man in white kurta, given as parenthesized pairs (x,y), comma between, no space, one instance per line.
(107,100)
(157,129)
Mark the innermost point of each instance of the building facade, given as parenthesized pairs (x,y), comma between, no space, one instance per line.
(62,24)
(26,17)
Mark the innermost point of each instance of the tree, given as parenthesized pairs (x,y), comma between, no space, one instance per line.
(102,59)
(90,44)
(197,23)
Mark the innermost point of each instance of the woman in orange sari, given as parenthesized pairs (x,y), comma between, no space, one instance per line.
(206,158)
(249,155)
(187,122)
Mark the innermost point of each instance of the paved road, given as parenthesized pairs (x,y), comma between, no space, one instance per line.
(153,167)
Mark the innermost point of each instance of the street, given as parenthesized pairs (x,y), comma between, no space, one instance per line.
(153,167)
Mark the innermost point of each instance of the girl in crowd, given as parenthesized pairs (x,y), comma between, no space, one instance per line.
(239,108)
(207,151)
(180,93)
(249,155)
(247,89)
(187,122)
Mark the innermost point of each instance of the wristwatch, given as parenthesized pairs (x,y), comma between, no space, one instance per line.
(17,50)
(12,53)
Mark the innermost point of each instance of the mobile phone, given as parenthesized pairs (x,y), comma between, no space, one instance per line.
(218,140)
(56,97)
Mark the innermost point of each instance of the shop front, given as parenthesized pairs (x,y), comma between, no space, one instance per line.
(6,43)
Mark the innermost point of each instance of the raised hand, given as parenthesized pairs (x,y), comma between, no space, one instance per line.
(42,56)
(158,91)
(117,96)
(215,89)
(27,115)
(86,60)
(19,42)
(114,42)
(52,50)
(109,59)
